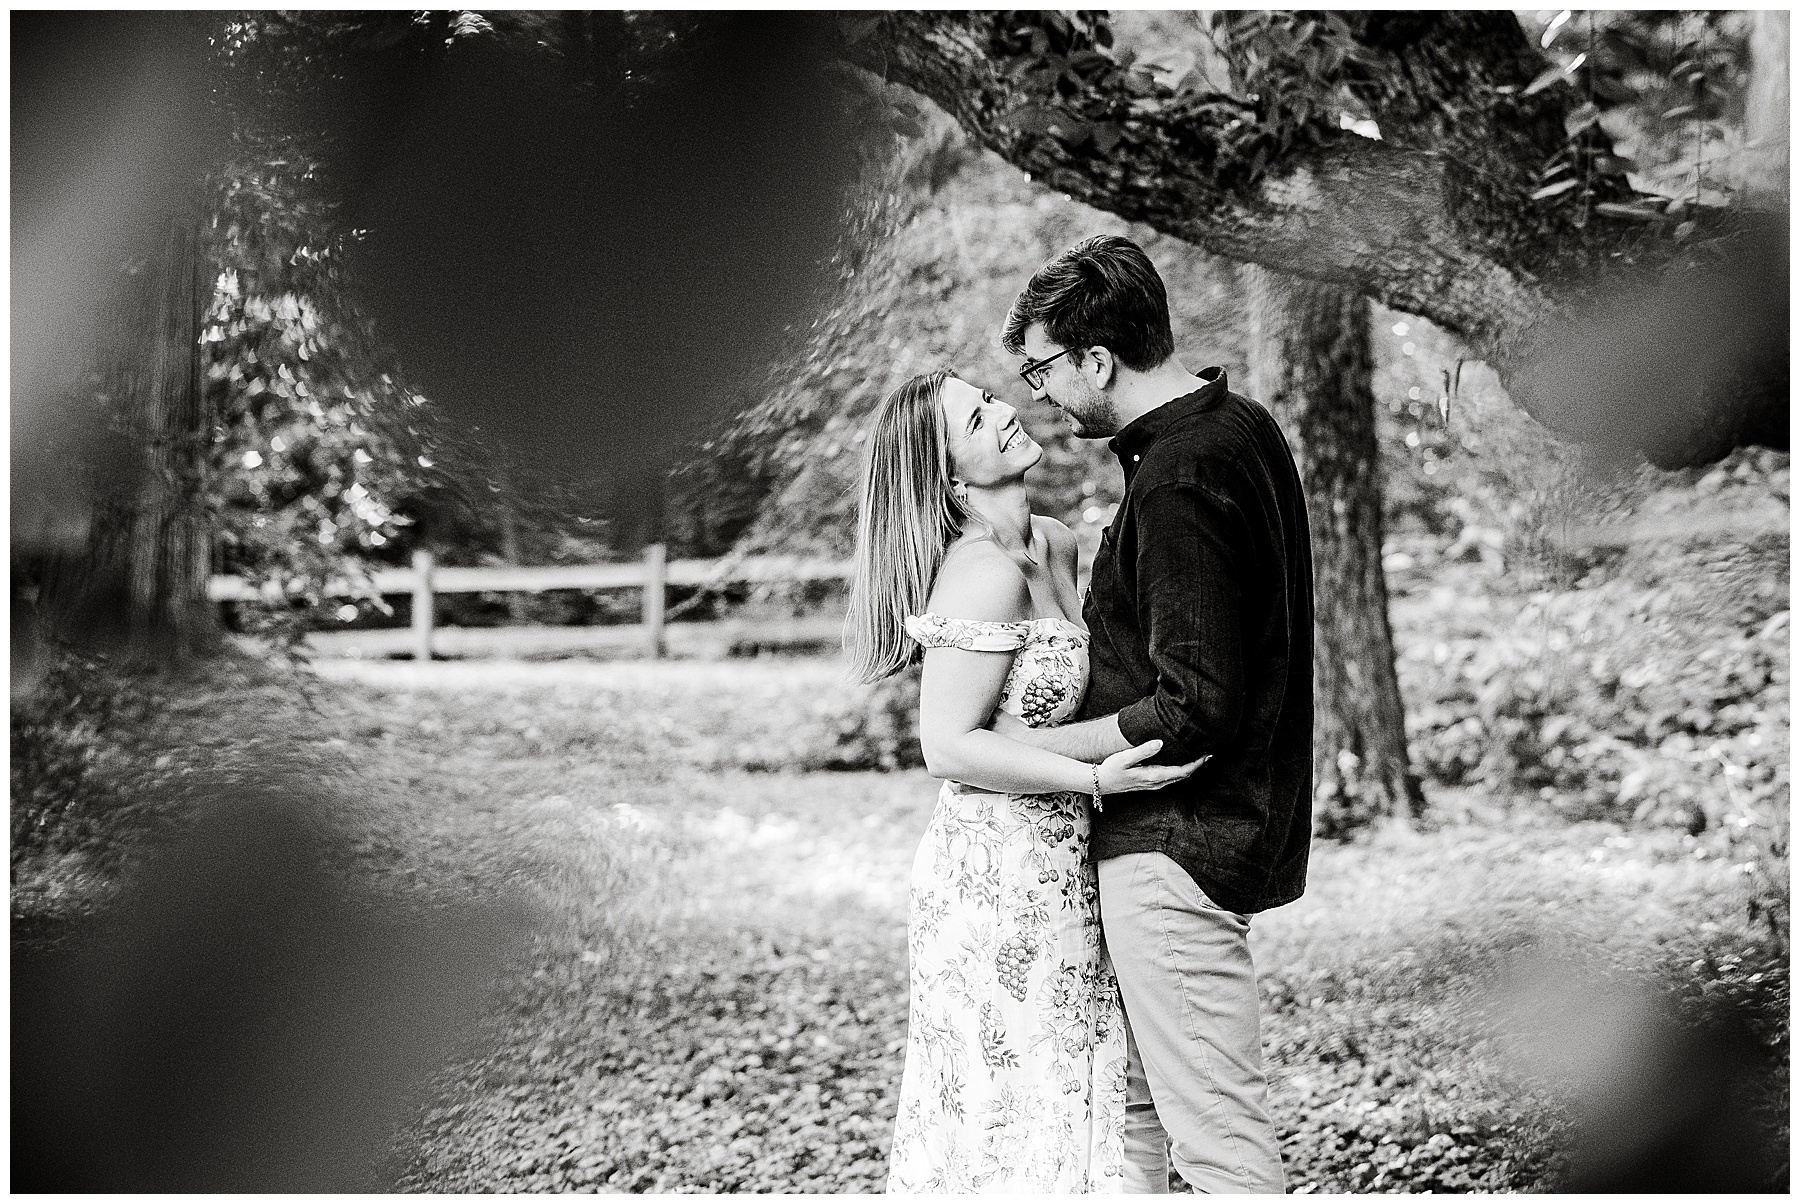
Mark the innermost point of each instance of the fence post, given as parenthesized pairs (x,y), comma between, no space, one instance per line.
(655,579)
(423,564)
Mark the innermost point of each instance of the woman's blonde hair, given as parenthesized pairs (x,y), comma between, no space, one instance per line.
(907,516)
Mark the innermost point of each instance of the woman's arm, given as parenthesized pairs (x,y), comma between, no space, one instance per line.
(960,690)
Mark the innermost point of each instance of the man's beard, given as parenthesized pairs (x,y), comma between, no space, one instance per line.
(1092,417)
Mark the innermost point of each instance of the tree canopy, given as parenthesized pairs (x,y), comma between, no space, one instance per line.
(1446,215)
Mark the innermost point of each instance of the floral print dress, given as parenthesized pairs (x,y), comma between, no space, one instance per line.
(1015,1053)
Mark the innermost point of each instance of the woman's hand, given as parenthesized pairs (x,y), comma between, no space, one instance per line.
(1122,772)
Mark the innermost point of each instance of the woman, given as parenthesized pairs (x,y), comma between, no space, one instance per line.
(1015,1059)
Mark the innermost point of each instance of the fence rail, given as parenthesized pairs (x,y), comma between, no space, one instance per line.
(654,574)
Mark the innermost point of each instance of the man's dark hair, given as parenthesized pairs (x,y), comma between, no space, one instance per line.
(1101,292)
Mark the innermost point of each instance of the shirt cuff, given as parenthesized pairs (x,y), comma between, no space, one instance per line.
(1137,723)
(1140,722)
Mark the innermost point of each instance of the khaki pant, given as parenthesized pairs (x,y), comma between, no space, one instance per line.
(1195,1091)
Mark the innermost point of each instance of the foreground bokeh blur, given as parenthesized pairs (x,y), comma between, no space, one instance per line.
(247,1016)
(1673,367)
(112,133)
(575,273)
(585,275)
(1659,1101)
(255,915)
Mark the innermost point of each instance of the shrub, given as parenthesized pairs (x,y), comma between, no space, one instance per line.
(855,727)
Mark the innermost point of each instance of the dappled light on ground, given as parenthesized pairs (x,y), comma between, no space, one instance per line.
(714,994)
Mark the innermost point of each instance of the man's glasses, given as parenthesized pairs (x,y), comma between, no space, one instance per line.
(1033,372)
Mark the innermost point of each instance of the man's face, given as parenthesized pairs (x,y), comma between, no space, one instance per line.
(1068,384)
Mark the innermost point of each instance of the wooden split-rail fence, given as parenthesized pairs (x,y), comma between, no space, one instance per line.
(652,636)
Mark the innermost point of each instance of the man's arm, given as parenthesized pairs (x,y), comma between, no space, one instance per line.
(1189,607)
(1191,562)
(1092,741)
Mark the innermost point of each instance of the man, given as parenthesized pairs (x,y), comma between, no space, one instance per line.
(1200,612)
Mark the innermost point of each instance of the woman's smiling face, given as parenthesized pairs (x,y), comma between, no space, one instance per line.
(988,443)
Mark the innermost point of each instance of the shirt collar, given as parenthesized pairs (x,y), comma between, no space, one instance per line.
(1129,444)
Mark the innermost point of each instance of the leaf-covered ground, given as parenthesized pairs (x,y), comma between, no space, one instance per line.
(718,995)
(715,995)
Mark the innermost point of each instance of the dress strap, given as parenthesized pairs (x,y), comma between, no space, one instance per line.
(975,635)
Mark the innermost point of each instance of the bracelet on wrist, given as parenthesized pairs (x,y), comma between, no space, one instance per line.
(1097,804)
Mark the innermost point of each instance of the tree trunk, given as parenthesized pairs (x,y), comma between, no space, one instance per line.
(1761,167)
(1311,364)
(152,538)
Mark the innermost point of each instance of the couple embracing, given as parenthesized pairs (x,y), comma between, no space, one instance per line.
(1127,777)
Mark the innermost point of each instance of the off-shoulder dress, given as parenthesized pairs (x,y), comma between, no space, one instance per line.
(1015,1054)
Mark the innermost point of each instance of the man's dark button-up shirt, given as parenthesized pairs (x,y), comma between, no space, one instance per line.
(1201,613)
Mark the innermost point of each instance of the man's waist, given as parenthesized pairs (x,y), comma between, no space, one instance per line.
(1243,864)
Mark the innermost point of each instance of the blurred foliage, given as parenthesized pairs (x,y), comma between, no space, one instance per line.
(55,742)
(1669,91)
(325,455)
(318,445)
(107,757)
(312,448)
(968,232)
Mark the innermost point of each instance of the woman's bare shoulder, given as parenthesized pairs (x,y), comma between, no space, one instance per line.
(979,581)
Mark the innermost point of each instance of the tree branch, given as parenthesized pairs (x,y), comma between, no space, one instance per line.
(1422,231)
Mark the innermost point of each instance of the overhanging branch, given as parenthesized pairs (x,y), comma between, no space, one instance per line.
(1420,230)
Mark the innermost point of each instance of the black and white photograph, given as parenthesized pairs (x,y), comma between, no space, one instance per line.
(929,602)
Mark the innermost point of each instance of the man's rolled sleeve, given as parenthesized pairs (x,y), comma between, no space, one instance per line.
(1189,604)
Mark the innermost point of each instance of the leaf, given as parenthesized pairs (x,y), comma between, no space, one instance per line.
(1074,133)
(1033,119)
(1617,91)
(1556,189)
(1543,81)
(1633,213)
(1581,118)
(1169,66)
(1678,111)
(1141,83)
(856,28)
(1106,137)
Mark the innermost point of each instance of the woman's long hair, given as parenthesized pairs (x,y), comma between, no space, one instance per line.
(907,517)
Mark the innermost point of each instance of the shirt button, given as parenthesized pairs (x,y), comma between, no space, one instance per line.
(1135,459)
